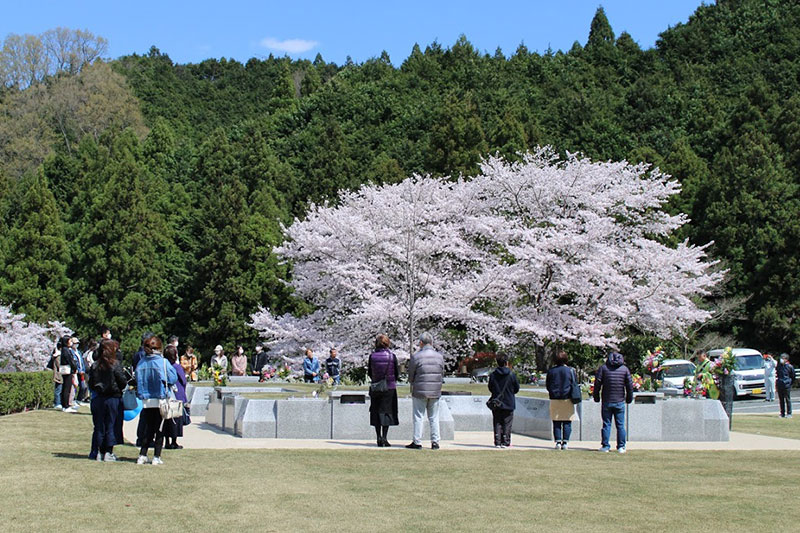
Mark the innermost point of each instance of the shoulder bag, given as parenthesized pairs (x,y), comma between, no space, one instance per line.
(169,407)
(129,402)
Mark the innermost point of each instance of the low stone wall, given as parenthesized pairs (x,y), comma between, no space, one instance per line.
(347,418)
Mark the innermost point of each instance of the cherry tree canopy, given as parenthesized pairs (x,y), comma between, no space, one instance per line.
(26,346)
(539,250)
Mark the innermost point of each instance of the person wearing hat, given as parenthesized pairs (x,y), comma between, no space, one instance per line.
(769,378)
(784,377)
(220,359)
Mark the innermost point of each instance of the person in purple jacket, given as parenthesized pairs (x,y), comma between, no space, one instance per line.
(173,427)
(613,383)
(383,405)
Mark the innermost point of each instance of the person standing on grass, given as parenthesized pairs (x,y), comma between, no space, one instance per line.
(82,395)
(613,383)
(153,377)
(559,383)
(67,369)
(58,379)
(503,385)
(173,427)
(239,362)
(106,381)
(310,367)
(425,371)
(382,365)
(784,377)
(769,378)
(333,366)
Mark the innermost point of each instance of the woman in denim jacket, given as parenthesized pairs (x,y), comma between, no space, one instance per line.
(153,378)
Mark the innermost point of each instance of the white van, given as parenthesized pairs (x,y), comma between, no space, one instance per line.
(675,371)
(748,376)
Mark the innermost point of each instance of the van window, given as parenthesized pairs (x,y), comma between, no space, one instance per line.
(749,362)
(677,371)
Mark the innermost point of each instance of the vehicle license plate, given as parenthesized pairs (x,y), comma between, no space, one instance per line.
(758,391)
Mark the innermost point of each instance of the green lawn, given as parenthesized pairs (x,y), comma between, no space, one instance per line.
(49,485)
(771,425)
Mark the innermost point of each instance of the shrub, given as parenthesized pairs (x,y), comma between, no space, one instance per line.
(25,390)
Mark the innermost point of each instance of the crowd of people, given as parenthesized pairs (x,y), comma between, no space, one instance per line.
(96,377)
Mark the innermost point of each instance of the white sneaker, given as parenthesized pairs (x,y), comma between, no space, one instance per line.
(99,457)
(604,449)
(109,457)
(57,407)
(621,450)
(142,460)
(563,445)
(157,461)
(72,409)
(558,445)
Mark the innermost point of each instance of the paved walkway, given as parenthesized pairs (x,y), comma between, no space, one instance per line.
(200,435)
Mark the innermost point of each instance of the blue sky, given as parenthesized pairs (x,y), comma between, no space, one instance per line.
(241,29)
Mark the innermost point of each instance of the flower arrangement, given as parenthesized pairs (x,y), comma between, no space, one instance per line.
(219,375)
(588,388)
(725,364)
(638,383)
(694,388)
(652,361)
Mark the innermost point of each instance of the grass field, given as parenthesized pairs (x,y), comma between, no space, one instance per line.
(770,425)
(49,485)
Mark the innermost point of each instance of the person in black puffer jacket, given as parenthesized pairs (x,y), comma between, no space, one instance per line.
(107,381)
(503,385)
(613,383)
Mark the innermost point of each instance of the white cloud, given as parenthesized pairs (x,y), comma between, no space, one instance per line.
(291,46)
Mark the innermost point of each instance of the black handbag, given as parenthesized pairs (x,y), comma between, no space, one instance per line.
(575,393)
(186,418)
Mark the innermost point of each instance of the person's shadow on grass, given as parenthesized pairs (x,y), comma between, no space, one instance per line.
(85,457)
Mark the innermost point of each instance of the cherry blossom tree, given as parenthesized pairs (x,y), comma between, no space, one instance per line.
(541,250)
(26,346)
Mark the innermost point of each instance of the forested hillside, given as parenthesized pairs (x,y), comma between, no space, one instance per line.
(144,194)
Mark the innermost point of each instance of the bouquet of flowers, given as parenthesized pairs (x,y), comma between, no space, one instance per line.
(588,388)
(638,383)
(652,361)
(724,364)
(220,377)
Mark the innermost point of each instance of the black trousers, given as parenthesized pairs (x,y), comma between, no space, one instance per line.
(152,430)
(502,420)
(66,389)
(785,398)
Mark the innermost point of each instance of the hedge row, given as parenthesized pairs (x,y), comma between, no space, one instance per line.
(25,390)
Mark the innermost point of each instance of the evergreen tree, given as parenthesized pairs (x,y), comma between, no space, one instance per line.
(236,272)
(125,252)
(34,262)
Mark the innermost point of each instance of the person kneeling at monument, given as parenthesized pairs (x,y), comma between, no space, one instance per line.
(503,385)
(152,373)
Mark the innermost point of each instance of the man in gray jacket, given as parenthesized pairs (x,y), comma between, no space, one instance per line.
(425,370)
